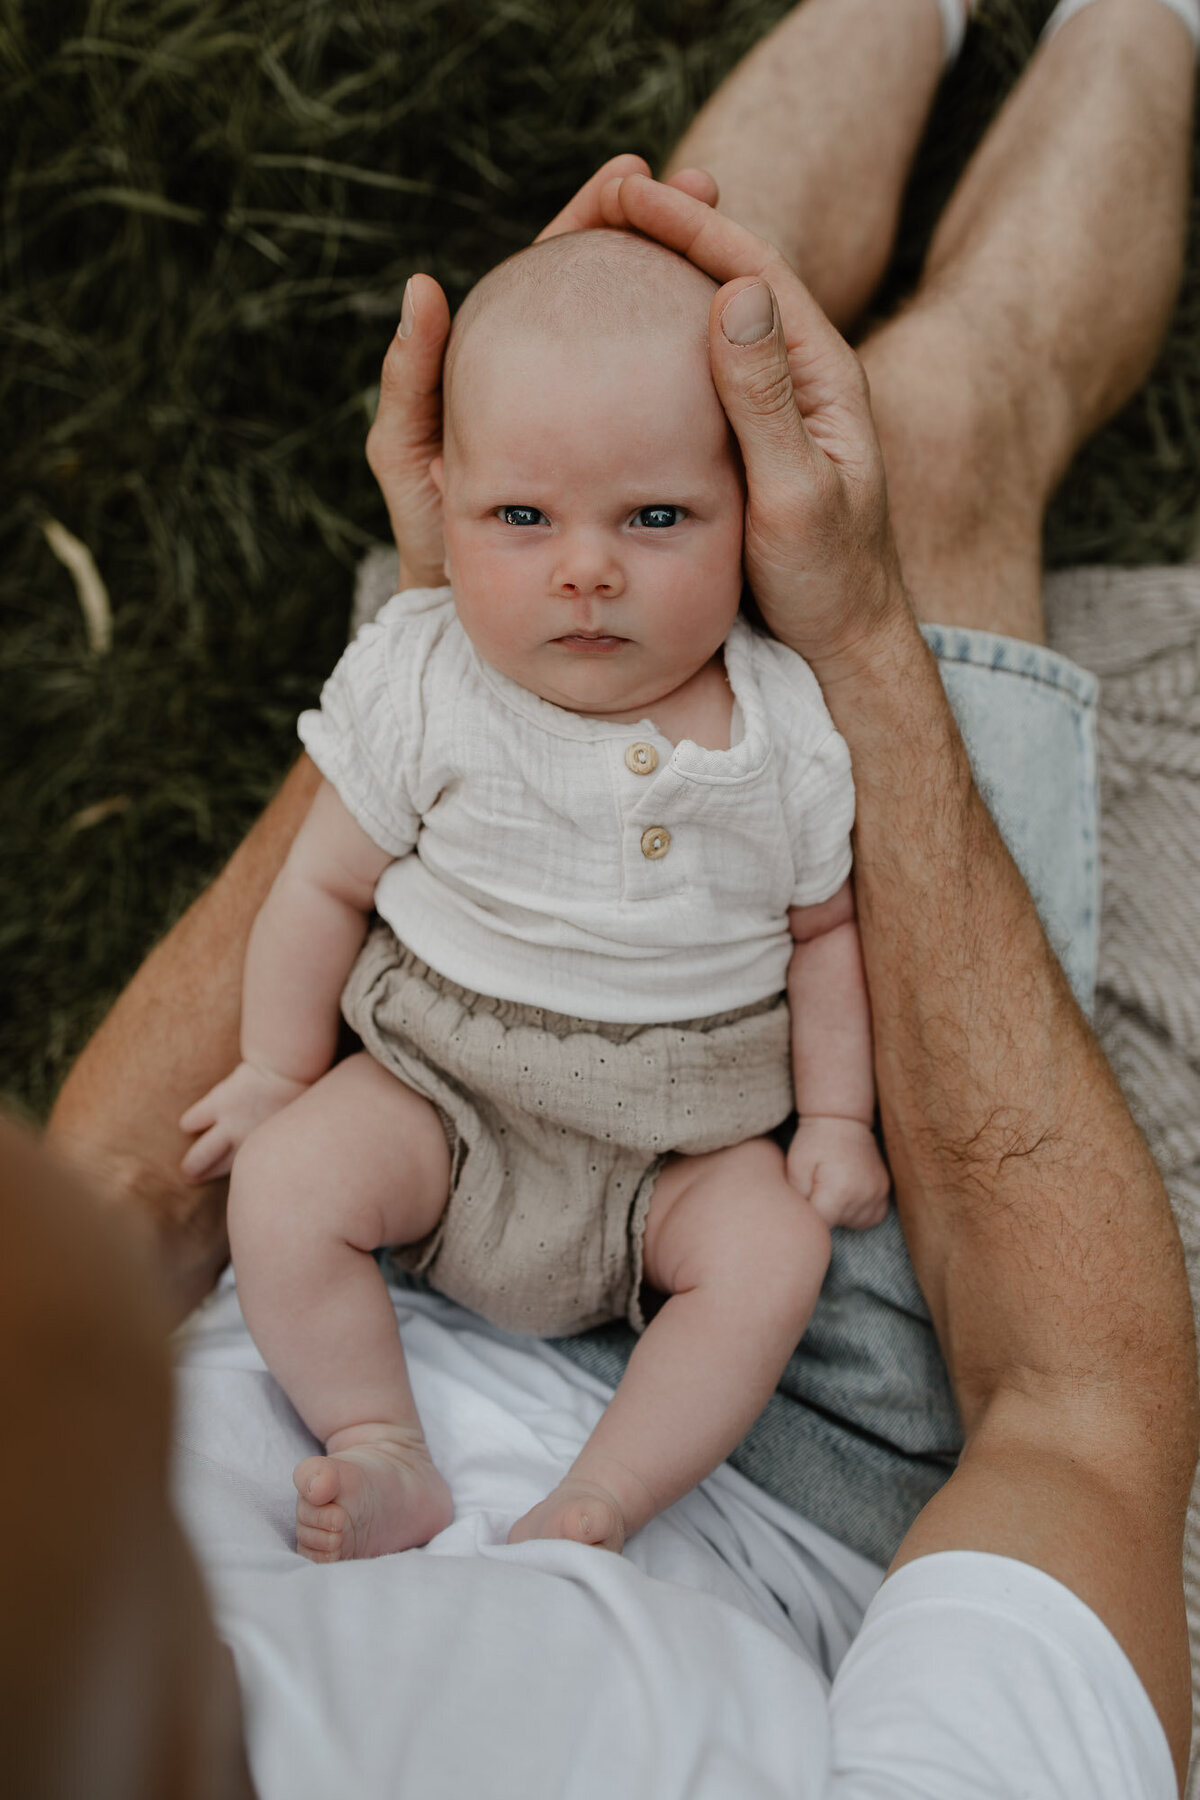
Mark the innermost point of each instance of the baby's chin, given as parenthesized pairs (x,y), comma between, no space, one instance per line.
(592,695)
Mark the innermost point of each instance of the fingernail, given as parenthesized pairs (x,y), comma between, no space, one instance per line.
(749,316)
(404,328)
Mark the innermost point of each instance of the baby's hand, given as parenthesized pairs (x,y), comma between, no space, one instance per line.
(836,1165)
(228,1114)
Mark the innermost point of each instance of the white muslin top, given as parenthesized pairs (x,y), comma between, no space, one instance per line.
(589,867)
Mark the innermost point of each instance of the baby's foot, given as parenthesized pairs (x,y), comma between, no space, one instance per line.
(376,1491)
(581,1510)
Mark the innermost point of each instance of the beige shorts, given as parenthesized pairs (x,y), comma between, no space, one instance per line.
(557,1129)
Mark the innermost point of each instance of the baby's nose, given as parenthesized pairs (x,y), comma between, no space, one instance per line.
(587,567)
(599,585)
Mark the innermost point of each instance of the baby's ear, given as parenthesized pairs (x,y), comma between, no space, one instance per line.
(437,474)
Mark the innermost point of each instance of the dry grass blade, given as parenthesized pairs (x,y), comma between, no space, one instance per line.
(78,560)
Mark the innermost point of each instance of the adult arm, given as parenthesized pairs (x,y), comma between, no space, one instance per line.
(172,1033)
(1037,1223)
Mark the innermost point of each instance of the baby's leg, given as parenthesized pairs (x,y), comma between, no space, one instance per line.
(742,1257)
(358,1161)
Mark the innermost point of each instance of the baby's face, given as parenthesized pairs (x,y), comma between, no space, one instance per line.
(593,516)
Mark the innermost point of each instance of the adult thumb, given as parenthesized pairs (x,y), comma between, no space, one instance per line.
(754,381)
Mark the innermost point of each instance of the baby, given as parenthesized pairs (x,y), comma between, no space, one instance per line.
(605,825)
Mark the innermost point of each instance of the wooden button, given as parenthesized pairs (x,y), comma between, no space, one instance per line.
(656,841)
(642,759)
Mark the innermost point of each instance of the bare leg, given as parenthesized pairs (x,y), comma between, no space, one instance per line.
(170,1036)
(812,137)
(1044,298)
(742,1257)
(356,1162)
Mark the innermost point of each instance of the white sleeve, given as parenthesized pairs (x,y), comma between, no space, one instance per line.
(816,785)
(977,1676)
(819,807)
(365,734)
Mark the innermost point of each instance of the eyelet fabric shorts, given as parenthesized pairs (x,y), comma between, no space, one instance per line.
(558,1127)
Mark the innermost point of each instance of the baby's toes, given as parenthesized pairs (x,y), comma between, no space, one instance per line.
(319,1546)
(320,1531)
(320,1518)
(317,1480)
(592,1521)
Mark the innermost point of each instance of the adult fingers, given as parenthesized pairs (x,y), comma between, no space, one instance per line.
(585,211)
(582,212)
(816,527)
(407,432)
(827,378)
(753,377)
(696,182)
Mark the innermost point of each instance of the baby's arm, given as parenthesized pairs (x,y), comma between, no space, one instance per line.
(833,1160)
(301,948)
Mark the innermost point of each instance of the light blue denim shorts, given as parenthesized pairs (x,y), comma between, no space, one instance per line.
(1028,718)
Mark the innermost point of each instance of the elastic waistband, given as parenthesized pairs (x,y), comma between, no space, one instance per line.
(384,951)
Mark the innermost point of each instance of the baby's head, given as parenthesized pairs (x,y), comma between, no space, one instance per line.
(593,497)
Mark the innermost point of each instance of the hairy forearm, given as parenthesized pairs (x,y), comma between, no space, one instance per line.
(290,1024)
(1021,1178)
(172,1033)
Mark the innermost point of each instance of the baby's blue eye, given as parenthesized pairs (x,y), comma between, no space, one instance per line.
(658,517)
(522,515)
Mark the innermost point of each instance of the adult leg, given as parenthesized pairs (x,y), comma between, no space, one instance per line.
(812,137)
(1043,301)
(358,1161)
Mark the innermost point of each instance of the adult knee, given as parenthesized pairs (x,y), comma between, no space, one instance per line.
(972,453)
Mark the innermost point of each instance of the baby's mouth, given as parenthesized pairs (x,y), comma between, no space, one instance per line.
(591,643)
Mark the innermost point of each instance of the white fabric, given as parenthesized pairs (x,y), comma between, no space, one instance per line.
(954,25)
(1186,10)
(530,881)
(695,1667)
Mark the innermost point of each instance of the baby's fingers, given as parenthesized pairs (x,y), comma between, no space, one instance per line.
(200,1115)
(210,1156)
(870,1210)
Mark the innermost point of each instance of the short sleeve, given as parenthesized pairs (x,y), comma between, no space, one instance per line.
(975,1674)
(816,787)
(819,807)
(366,732)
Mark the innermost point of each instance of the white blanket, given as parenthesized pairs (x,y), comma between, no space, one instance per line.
(698,1664)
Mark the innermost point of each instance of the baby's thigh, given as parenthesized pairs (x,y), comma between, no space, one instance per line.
(732,1217)
(359,1156)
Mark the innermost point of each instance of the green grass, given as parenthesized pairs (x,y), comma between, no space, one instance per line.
(210,208)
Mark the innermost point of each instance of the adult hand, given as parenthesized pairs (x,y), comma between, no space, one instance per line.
(407,432)
(819,551)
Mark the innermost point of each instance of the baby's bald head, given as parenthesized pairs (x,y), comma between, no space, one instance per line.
(592,499)
(585,288)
